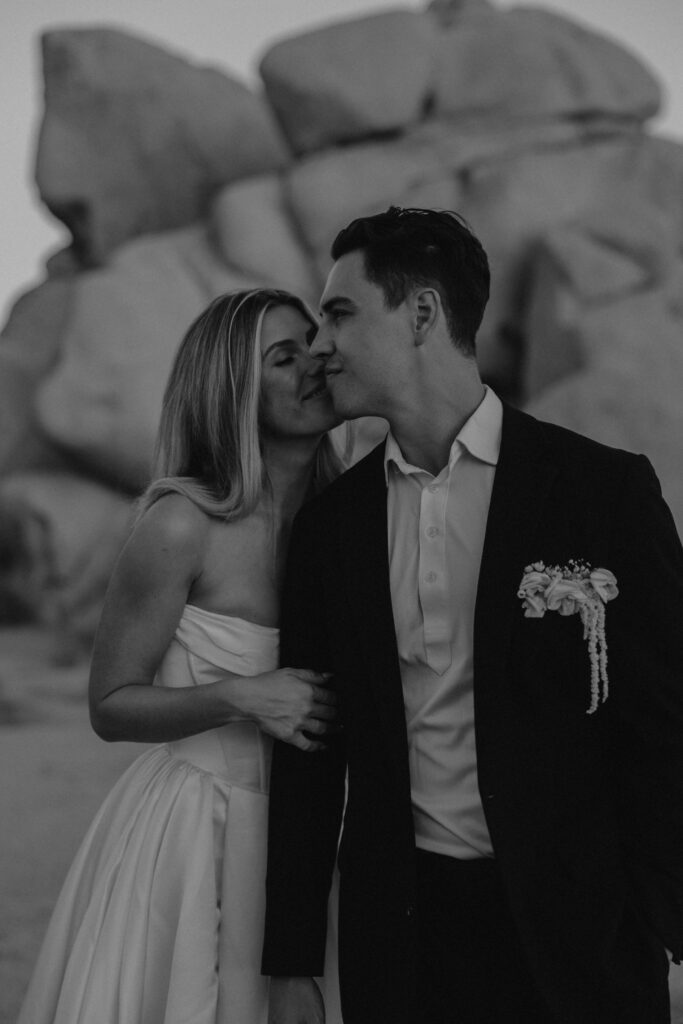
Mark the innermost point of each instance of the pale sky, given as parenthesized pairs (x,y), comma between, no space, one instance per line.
(232,34)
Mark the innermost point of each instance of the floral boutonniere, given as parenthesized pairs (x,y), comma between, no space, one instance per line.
(568,589)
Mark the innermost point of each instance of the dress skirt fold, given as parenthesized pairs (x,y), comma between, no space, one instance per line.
(160,919)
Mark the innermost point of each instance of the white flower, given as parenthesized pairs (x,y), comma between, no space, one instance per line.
(532,590)
(604,584)
(534,606)
(568,589)
(565,595)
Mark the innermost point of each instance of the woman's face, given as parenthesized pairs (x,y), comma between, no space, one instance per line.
(295,401)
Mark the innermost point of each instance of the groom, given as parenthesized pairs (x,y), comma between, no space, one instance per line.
(512,844)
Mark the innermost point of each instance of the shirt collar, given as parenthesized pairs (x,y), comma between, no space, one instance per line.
(480,435)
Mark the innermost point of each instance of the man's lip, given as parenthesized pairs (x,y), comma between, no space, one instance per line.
(331,373)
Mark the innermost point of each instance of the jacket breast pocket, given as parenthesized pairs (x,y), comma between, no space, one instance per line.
(551,661)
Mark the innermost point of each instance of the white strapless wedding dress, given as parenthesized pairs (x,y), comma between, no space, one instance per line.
(160,920)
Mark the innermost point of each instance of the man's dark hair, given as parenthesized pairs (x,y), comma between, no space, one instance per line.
(405,249)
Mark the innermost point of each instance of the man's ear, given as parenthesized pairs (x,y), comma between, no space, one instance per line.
(426,311)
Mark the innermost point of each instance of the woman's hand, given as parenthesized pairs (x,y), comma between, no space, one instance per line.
(291,704)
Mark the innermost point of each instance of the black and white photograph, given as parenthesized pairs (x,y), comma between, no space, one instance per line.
(341,505)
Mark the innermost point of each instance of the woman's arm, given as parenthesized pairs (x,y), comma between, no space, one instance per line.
(145,599)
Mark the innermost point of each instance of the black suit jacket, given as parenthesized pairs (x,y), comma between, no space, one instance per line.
(585,811)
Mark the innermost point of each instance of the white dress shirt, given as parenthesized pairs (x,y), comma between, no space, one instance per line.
(436,528)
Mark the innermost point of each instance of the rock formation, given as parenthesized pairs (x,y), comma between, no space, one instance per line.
(179,183)
(135,140)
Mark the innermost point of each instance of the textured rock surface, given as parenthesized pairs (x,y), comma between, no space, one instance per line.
(528,63)
(376,75)
(30,346)
(136,140)
(76,529)
(328,189)
(532,127)
(102,402)
(364,77)
(603,336)
(447,12)
(255,231)
(513,203)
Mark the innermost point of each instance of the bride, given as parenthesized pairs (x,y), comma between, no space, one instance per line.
(160,917)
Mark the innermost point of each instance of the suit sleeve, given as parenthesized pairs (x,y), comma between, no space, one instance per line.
(307,789)
(645,643)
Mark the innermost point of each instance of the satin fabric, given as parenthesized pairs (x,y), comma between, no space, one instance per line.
(160,920)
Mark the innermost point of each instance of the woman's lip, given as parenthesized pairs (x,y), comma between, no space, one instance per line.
(317,392)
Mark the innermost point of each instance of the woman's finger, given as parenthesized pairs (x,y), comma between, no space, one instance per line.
(301,741)
(323,695)
(325,712)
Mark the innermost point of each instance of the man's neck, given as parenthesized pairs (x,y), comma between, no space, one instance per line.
(425,430)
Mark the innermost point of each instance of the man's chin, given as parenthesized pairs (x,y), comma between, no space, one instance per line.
(344,406)
(345,411)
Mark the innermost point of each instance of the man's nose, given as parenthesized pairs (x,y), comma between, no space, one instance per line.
(315,365)
(322,347)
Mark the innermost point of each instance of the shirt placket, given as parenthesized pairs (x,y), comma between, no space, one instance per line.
(433,573)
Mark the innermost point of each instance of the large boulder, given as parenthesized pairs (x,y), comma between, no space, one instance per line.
(67,532)
(469,62)
(513,185)
(326,190)
(254,230)
(136,140)
(528,62)
(30,346)
(102,402)
(447,12)
(350,80)
(603,331)
(512,204)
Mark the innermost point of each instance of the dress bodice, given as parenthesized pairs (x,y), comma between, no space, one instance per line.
(204,648)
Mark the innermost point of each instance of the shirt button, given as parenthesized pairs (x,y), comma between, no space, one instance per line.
(433,531)
(431,577)
(433,488)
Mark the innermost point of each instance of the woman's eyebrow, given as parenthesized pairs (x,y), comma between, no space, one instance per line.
(283,343)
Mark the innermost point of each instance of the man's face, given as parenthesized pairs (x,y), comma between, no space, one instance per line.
(364,343)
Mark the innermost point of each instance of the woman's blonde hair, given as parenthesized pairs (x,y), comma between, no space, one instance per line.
(208,445)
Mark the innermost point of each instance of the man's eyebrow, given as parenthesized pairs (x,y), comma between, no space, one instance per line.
(334,300)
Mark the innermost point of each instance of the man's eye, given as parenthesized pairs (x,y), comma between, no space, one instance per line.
(337,314)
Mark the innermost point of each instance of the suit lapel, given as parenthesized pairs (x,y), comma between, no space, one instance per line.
(365,569)
(527,467)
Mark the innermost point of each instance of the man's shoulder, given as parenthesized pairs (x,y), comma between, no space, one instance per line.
(573,446)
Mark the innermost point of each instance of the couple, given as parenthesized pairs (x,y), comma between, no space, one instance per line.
(488,604)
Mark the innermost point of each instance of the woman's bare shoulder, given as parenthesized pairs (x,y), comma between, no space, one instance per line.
(172,528)
(175,519)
